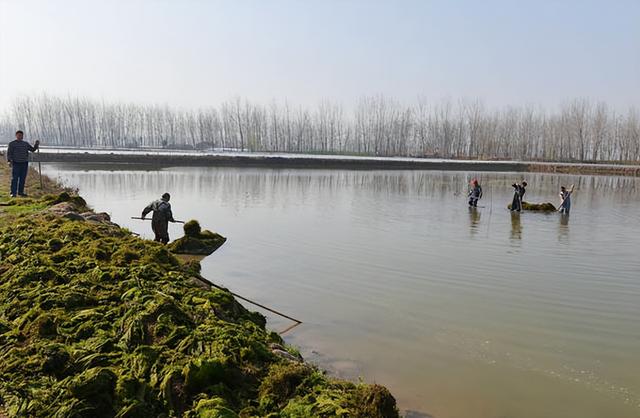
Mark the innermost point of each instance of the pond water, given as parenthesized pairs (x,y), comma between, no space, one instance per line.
(460,313)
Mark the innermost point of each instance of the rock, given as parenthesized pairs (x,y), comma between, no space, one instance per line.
(62,208)
(281,352)
(74,216)
(101,217)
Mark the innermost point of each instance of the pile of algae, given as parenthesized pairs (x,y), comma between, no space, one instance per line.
(538,207)
(98,323)
(196,241)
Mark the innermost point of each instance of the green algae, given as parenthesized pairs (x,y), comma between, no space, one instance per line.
(98,323)
(196,241)
(537,207)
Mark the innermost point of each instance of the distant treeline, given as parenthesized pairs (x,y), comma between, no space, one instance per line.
(579,131)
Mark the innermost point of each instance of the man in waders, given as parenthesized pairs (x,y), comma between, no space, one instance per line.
(161,217)
(18,158)
(475,193)
(565,200)
(518,194)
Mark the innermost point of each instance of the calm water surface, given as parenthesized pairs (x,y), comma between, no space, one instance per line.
(460,313)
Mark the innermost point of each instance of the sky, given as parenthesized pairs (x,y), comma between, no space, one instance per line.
(197,53)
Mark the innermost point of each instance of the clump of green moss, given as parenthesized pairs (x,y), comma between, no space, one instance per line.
(196,241)
(95,322)
(192,228)
(537,207)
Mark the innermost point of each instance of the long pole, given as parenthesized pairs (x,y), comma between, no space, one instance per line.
(148,219)
(250,301)
(40,168)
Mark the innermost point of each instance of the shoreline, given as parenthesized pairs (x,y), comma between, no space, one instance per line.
(304,161)
(101,323)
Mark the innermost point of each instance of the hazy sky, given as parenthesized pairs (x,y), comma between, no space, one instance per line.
(197,53)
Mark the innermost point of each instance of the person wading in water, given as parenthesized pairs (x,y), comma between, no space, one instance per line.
(18,158)
(475,193)
(565,200)
(162,215)
(518,194)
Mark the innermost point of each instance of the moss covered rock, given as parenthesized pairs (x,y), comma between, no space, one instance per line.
(196,241)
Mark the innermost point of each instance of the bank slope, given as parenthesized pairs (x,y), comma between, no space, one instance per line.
(96,322)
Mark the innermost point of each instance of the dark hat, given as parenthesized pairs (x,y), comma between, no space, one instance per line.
(166,196)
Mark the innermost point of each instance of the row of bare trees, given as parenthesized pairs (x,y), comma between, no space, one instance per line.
(578,131)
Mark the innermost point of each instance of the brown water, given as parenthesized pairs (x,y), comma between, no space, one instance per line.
(460,313)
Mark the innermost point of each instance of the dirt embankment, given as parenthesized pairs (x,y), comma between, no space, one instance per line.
(166,159)
(96,322)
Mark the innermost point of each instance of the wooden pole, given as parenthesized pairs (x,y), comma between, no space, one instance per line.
(40,169)
(148,219)
(249,300)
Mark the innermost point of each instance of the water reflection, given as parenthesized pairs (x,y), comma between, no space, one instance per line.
(563,229)
(516,227)
(474,220)
(235,183)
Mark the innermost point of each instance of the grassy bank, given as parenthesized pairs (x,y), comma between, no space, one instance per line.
(96,322)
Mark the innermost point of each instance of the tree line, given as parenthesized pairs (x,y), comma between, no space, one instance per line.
(580,130)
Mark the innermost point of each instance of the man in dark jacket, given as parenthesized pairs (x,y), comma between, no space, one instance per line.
(162,215)
(518,194)
(18,157)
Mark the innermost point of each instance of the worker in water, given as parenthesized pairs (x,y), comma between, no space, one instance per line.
(162,215)
(475,193)
(518,194)
(565,200)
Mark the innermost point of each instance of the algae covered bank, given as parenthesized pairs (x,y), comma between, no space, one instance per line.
(96,322)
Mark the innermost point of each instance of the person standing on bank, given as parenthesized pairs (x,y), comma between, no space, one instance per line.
(162,215)
(518,194)
(18,158)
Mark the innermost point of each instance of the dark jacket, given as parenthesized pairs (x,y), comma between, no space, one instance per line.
(476,192)
(519,190)
(18,151)
(161,211)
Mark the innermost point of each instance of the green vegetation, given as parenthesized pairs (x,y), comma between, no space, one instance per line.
(196,241)
(96,322)
(537,207)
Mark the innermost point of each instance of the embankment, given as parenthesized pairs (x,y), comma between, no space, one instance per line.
(96,322)
(166,159)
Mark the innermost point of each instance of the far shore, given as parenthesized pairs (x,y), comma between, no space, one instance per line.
(165,158)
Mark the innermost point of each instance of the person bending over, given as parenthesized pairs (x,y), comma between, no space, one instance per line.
(162,215)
